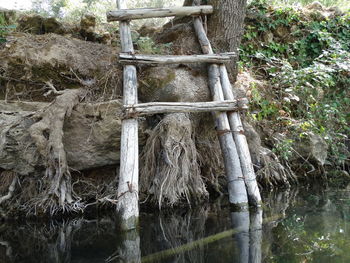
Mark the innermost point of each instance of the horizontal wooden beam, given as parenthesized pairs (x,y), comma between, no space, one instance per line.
(144,109)
(141,13)
(159,60)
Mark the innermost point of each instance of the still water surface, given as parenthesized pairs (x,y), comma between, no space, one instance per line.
(299,225)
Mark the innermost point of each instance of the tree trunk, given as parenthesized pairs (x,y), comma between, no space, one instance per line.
(226,27)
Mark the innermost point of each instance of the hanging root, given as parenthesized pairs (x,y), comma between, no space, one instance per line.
(210,155)
(7,180)
(47,134)
(170,172)
(273,172)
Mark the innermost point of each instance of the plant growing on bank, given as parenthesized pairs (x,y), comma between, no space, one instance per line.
(5,28)
(307,63)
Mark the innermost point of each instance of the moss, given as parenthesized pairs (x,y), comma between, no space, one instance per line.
(31,24)
(156,82)
(51,25)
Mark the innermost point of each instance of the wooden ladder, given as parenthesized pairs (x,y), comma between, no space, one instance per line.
(242,184)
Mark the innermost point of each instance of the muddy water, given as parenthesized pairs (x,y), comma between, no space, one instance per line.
(300,225)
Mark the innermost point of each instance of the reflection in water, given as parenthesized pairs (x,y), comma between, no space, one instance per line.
(256,223)
(129,250)
(249,236)
(311,227)
(240,221)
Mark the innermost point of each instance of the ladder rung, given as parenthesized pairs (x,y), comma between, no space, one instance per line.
(125,58)
(141,13)
(144,109)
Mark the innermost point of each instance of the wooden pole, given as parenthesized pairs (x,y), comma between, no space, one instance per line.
(256,221)
(237,192)
(141,13)
(144,109)
(164,60)
(240,220)
(235,123)
(241,143)
(128,188)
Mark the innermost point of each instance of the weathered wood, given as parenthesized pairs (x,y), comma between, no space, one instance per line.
(240,220)
(161,60)
(132,111)
(141,13)
(128,187)
(129,249)
(235,123)
(255,248)
(237,191)
(241,143)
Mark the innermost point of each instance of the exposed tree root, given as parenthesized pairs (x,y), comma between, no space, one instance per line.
(170,172)
(47,134)
(273,172)
(8,180)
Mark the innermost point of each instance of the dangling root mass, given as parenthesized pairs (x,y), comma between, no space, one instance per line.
(170,172)
(47,134)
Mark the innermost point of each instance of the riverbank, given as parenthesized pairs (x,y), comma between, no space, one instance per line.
(294,68)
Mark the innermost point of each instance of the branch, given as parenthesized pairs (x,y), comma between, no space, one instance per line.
(11,190)
(52,89)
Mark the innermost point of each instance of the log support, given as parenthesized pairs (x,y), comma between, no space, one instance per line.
(235,122)
(144,109)
(241,143)
(127,206)
(142,13)
(166,60)
(236,188)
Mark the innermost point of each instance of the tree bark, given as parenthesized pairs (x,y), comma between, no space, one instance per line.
(226,27)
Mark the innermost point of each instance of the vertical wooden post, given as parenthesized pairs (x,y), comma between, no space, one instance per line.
(235,122)
(240,221)
(241,143)
(128,188)
(256,220)
(237,191)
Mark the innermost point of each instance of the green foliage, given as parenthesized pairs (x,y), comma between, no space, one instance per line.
(5,28)
(263,108)
(340,3)
(146,45)
(284,149)
(309,73)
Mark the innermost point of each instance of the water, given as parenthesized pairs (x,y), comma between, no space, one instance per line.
(300,225)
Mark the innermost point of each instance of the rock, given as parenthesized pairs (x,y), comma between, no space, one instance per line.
(87,27)
(268,37)
(282,31)
(315,6)
(312,148)
(173,84)
(105,38)
(87,22)
(182,37)
(51,25)
(32,24)
(244,84)
(34,59)
(91,136)
(38,25)
(335,11)
(148,30)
